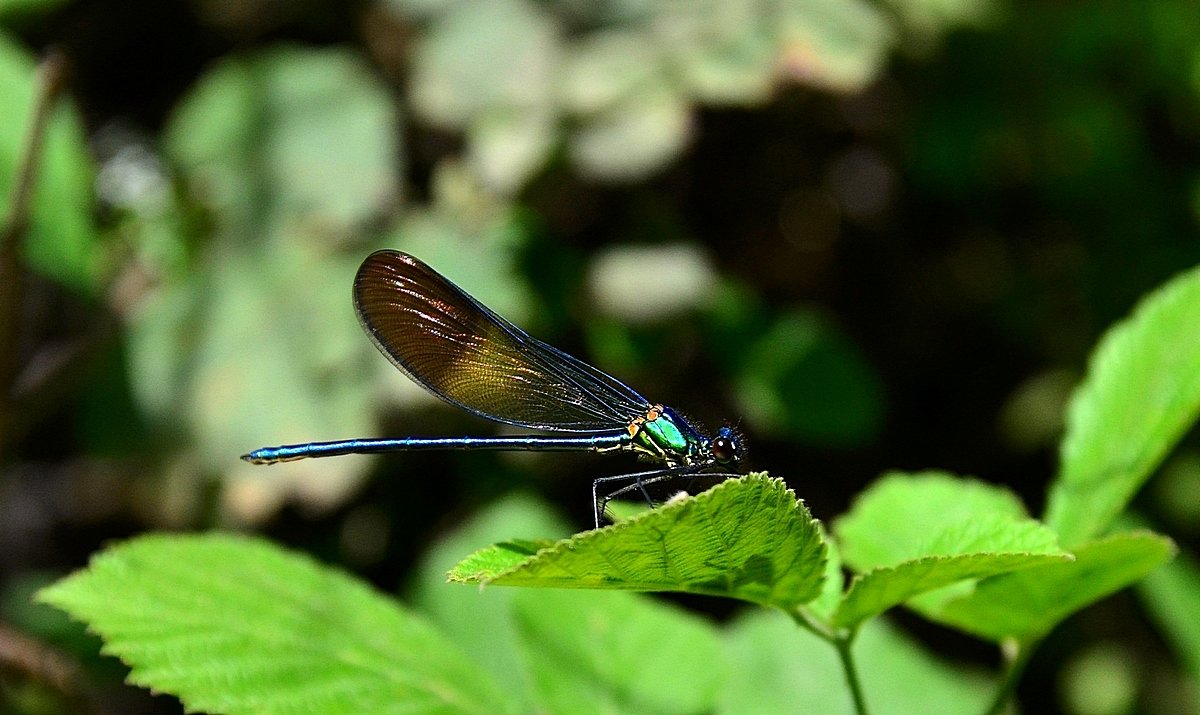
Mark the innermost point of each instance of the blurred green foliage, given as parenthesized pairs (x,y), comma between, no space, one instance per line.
(616,82)
(62,237)
(877,233)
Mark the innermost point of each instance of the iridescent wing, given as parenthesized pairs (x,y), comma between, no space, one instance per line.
(461,351)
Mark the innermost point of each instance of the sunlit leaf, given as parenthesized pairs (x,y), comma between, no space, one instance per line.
(507,146)
(882,588)
(837,44)
(234,625)
(631,119)
(682,275)
(481,621)
(1029,603)
(290,148)
(253,355)
(288,136)
(634,138)
(746,538)
(420,9)
(612,651)
(904,516)
(475,58)
(1101,677)
(776,667)
(929,17)
(605,69)
(726,51)
(1141,393)
(913,536)
(571,651)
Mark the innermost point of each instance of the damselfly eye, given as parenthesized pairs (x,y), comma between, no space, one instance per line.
(725,449)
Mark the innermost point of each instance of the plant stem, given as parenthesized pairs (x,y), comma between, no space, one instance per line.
(843,645)
(1016,657)
(50,81)
(842,640)
(812,624)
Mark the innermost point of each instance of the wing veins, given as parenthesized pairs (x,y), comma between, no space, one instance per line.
(393,284)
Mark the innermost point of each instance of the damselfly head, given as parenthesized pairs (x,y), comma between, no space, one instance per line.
(725,447)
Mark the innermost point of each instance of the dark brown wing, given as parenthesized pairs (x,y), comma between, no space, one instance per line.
(461,351)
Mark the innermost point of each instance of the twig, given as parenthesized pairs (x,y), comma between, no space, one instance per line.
(51,78)
(19,653)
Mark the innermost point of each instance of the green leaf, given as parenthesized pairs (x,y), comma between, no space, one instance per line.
(683,277)
(907,516)
(605,69)
(235,625)
(993,533)
(481,621)
(725,51)
(931,17)
(631,119)
(13,12)
(1141,393)
(803,378)
(291,149)
(914,535)
(61,239)
(611,652)
(291,137)
(1029,603)
(827,603)
(635,137)
(451,86)
(1172,598)
(419,10)
(835,44)
(572,651)
(508,145)
(746,538)
(776,667)
(501,556)
(311,371)
(880,589)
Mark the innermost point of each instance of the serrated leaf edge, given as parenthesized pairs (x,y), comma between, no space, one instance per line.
(1044,559)
(575,541)
(571,542)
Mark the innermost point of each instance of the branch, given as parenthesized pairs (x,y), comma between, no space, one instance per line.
(51,79)
(32,659)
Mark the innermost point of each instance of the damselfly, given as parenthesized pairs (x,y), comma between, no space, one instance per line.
(461,351)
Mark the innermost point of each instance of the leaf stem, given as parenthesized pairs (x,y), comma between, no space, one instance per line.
(51,79)
(842,640)
(843,645)
(812,624)
(1016,657)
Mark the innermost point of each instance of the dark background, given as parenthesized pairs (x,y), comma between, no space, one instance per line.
(908,265)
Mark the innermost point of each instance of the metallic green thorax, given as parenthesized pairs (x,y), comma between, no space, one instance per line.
(663,437)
